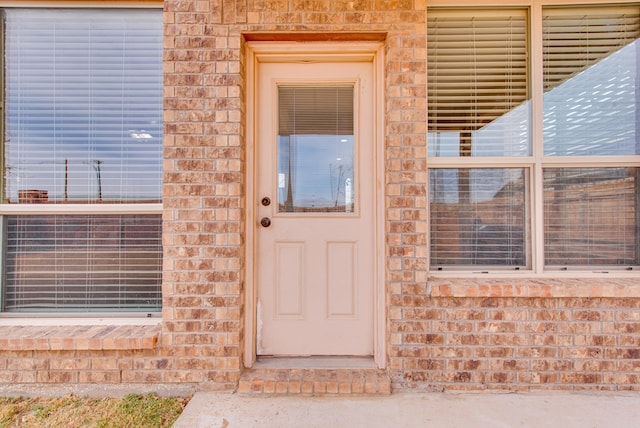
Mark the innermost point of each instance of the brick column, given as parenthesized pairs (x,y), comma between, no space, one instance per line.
(203,197)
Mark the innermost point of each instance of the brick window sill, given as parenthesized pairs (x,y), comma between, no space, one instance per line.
(78,337)
(535,288)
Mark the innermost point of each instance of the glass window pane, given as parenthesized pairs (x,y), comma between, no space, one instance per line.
(83,106)
(478,90)
(83,263)
(591,216)
(478,217)
(591,63)
(316,149)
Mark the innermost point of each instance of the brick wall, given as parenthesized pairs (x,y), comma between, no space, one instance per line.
(458,334)
(515,343)
(72,366)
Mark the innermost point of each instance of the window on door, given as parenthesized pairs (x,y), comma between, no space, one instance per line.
(533,138)
(316,149)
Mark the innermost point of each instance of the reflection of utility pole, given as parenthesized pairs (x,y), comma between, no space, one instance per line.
(339,180)
(96,166)
(66,180)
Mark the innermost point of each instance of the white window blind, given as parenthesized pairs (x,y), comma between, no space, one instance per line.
(576,38)
(320,110)
(83,105)
(591,62)
(82,263)
(477,85)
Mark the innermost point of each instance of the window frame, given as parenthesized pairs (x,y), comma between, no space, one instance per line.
(537,161)
(38,318)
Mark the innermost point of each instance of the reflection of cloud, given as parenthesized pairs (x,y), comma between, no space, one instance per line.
(84,85)
(140,135)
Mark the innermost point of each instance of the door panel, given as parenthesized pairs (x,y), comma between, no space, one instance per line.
(289,280)
(315,255)
(342,280)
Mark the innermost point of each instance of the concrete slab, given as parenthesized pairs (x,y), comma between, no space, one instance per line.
(440,410)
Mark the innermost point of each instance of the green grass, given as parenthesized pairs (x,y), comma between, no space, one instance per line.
(132,411)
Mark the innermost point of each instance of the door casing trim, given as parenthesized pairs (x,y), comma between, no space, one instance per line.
(284,52)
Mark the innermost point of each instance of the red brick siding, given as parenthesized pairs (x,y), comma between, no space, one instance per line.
(440,334)
(448,343)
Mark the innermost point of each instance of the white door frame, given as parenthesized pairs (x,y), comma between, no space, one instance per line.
(294,52)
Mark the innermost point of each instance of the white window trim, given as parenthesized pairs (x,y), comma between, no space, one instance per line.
(61,209)
(152,4)
(534,163)
(75,319)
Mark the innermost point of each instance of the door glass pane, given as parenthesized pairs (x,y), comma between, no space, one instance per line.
(316,149)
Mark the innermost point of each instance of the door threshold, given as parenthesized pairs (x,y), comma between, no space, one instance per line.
(315,362)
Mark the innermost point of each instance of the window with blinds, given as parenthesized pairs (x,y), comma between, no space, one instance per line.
(83,106)
(478,106)
(591,217)
(478,87)
(486,212)
(478,217)
(82,263)
(316,149)
(590,59)
(83,125)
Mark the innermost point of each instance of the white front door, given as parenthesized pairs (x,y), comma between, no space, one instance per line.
(315,188)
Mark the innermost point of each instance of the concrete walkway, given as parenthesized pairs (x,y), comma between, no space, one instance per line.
(479,410)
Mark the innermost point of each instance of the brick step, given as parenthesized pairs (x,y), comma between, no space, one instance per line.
(314,381)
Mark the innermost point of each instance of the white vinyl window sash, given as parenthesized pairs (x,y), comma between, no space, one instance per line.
(478,138)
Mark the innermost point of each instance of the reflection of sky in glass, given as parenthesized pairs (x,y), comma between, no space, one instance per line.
(593,113)
(321,168)
(596,111)
(84,104)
